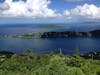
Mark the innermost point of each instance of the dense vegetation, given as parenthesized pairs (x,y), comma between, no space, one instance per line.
(49,64)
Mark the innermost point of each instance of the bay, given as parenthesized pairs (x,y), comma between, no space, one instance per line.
(47,45)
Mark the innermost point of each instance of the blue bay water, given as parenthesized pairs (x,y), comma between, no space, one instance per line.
(48,45)
(45,45)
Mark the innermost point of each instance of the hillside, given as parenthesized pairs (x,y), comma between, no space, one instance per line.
(48,64)
(65,34)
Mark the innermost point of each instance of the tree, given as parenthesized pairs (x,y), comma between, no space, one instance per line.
(28,52)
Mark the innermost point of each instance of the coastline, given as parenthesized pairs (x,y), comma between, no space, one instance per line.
(88,55)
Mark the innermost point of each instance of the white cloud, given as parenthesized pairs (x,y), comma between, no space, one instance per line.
(86,11)
(4,6)
(30,8)
(40,9)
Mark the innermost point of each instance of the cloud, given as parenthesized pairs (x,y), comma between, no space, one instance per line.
(4,6)
(86,11)
(40,9)
(30,8)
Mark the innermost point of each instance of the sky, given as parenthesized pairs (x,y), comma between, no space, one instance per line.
(48,11)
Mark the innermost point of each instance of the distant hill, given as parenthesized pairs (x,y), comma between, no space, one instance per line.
(49,26)
(95,33)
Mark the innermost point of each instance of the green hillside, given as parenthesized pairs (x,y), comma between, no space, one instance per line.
(48,64)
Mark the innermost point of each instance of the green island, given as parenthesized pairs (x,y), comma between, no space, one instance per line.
(53,34)
(49,26)
(48,64)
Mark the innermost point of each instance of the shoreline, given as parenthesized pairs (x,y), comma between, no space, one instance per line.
(88,55)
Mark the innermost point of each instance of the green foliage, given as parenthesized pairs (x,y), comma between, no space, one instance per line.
(27,51)
(49,64)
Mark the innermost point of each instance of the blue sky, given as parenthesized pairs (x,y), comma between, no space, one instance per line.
(60,11)
(61,5)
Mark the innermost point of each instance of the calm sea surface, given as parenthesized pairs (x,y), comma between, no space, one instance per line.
(45,45)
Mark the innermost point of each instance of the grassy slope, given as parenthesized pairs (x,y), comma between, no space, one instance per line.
(49,64)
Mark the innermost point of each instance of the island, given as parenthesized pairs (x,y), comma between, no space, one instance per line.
(52,34)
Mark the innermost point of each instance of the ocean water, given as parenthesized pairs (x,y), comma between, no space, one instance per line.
(45,45)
